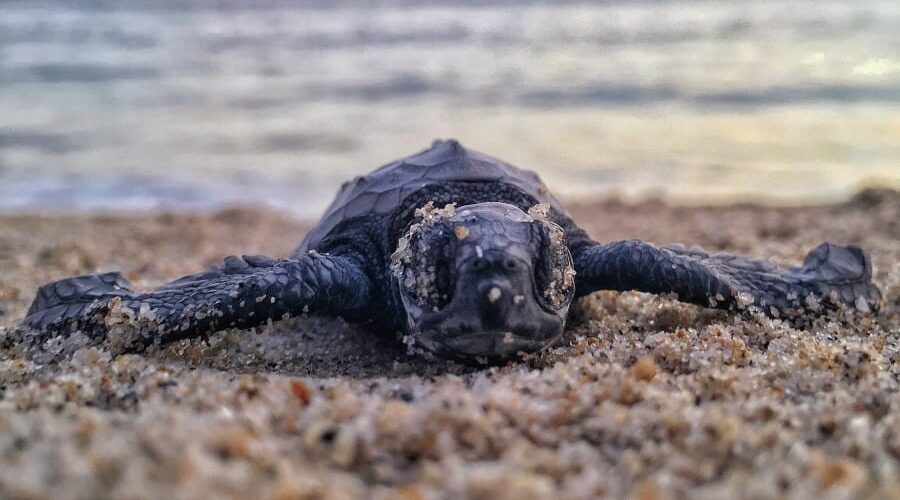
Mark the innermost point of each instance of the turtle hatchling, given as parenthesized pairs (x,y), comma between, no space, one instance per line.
(464,254)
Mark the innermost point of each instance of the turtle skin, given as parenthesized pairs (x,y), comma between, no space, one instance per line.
(343,266)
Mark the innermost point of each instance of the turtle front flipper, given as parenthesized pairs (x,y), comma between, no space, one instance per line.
(830,275)
(243,292)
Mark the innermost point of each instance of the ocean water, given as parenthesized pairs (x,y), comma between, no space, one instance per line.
(197,104)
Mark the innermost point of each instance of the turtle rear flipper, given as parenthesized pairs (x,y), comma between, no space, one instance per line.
(844,271)
(68,298)
(232,266)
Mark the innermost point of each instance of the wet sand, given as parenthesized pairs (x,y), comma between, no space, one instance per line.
(645,397)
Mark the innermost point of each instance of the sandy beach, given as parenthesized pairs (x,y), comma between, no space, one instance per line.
(645,397)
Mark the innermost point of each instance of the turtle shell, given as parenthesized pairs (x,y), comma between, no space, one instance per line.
(383,191)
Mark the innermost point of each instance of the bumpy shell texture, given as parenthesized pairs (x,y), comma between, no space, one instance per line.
(382,192)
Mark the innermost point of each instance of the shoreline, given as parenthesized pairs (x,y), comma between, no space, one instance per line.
(644,397)
(137,195)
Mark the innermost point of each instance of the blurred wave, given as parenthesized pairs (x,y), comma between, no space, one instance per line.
(138,104)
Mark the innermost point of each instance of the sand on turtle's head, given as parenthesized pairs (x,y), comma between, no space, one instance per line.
(410,261)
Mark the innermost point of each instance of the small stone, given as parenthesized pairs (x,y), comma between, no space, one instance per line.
(301,391)
(645,369)
(836,471)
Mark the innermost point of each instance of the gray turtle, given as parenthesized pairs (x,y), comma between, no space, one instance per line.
(467,255)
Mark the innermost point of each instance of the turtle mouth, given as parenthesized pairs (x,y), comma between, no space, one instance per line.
(486,324)
(484,346)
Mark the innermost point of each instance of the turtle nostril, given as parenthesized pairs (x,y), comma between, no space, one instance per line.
(480,264)
(510,264)
(494,304)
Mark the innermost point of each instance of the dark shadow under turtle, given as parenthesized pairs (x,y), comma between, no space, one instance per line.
(467,256)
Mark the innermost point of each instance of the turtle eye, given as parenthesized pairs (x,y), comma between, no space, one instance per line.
(554,270)
(422,265)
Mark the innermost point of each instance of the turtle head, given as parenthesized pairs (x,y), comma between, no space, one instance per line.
(484,281)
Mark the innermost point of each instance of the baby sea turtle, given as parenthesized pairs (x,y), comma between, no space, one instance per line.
(468,256)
